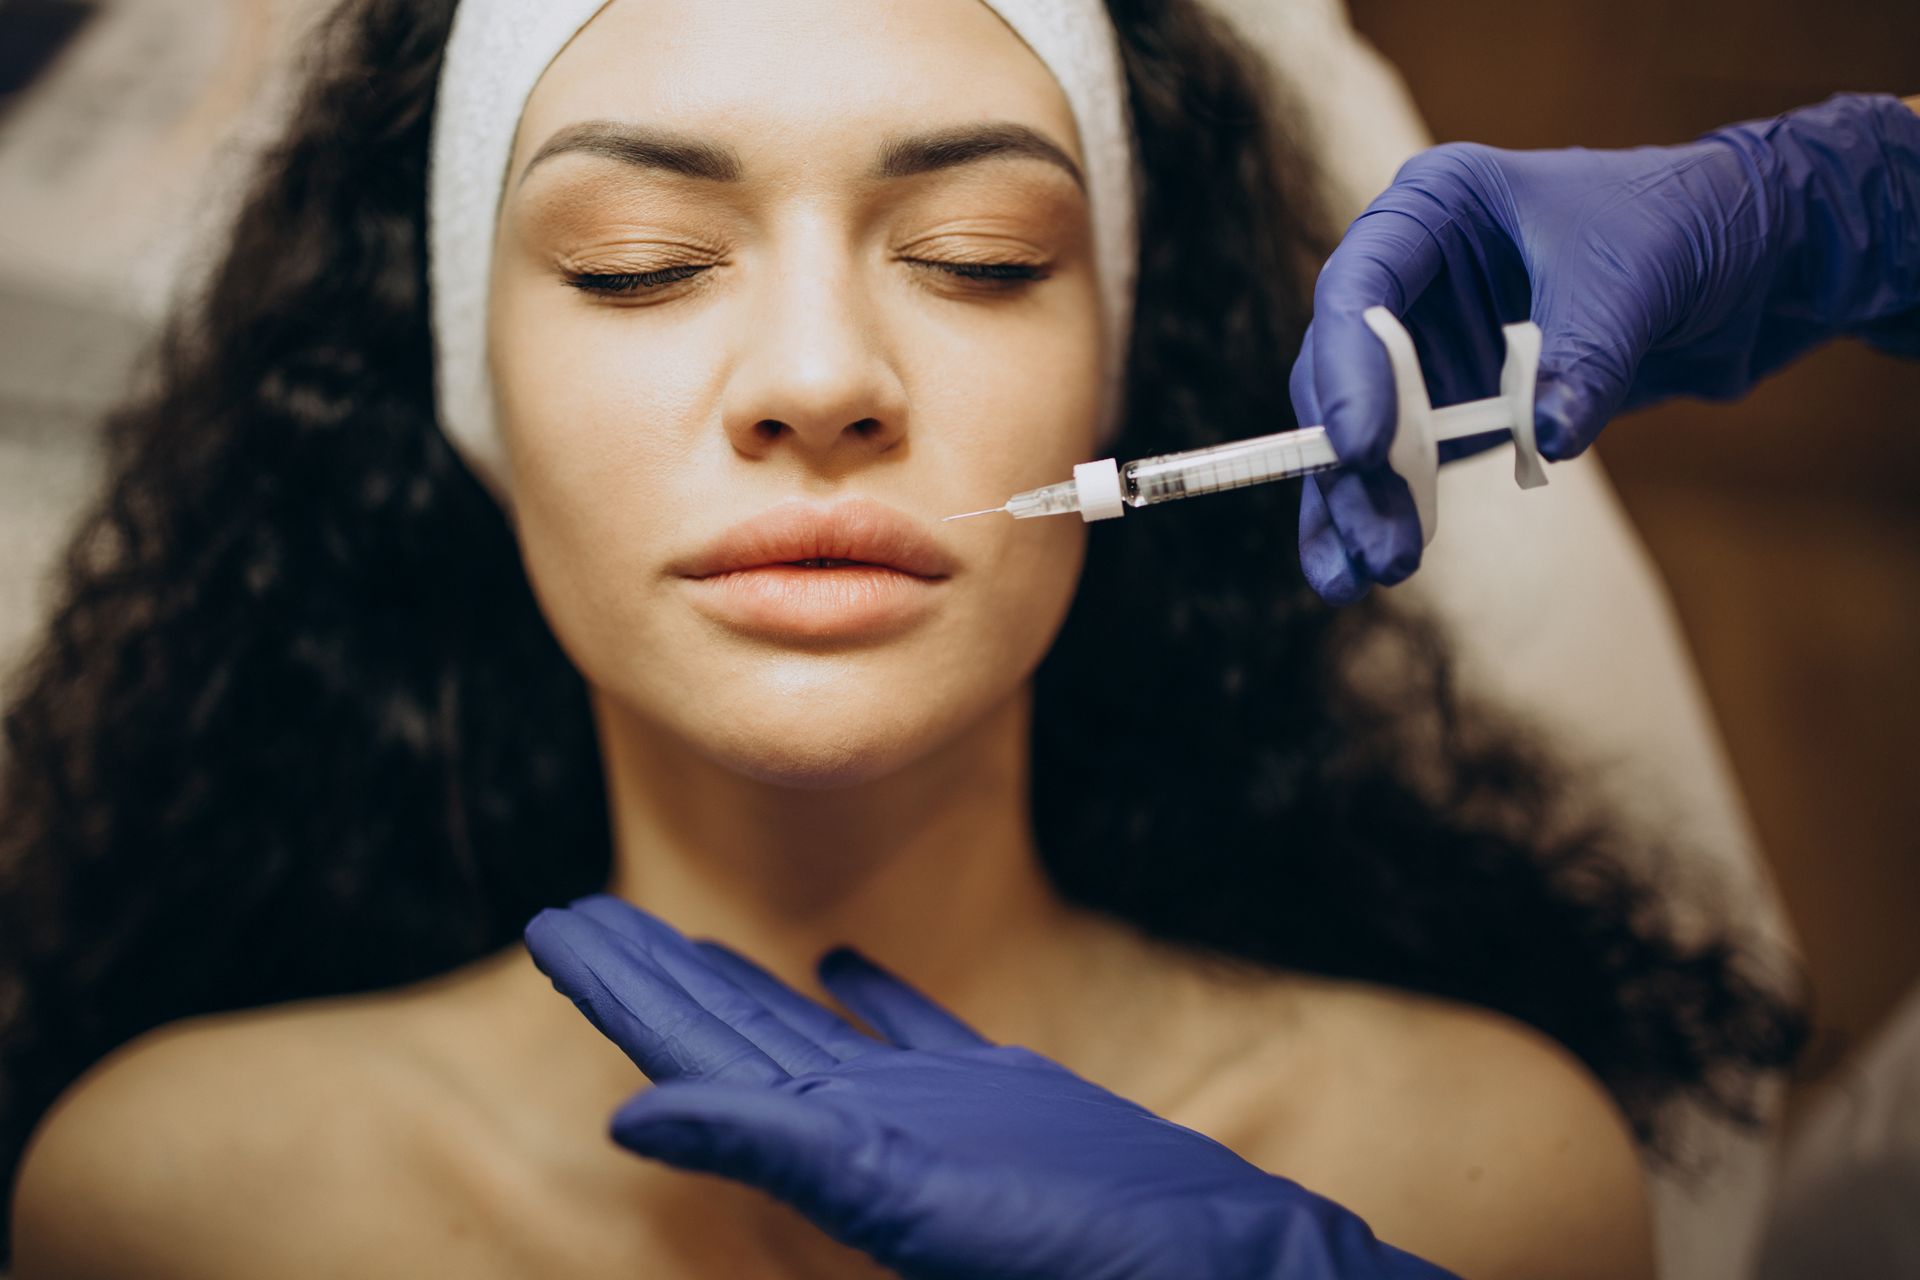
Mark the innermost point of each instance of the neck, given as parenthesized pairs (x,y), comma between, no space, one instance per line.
(932,870)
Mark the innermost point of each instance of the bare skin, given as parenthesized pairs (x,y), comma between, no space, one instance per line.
(458,1127)
(785,797)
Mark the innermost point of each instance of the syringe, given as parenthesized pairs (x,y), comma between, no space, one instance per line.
(1103,489)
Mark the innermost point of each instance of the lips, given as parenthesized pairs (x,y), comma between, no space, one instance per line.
(861,530)
(799,574)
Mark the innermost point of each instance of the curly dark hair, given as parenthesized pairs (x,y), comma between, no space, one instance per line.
(296,726)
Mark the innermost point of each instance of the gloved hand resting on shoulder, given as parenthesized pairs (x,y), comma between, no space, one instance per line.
(936,1152)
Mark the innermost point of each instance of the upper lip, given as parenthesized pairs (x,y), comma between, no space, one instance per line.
(860,529)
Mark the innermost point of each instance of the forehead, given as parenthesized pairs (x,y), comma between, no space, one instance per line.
(833,74)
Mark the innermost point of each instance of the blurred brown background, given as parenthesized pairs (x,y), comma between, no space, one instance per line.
(1787,525)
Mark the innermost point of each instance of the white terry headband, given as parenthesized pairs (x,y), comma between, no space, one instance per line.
(496,53)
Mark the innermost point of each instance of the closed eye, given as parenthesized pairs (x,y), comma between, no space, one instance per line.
(985,271)
(634,281)
(999,274)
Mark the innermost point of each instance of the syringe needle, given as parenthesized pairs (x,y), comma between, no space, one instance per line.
(964,514)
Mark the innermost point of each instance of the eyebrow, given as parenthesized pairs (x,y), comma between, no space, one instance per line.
(901,157)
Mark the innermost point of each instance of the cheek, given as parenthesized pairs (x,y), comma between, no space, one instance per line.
(1017,417)
(590,421)
(590,405)
(1012,398)
(1022,610)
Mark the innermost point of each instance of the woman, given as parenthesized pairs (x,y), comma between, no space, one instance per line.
(318,728)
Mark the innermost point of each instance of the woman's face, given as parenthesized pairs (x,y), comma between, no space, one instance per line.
(810,335)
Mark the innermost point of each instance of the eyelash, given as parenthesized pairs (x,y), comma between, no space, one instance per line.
(1000,275)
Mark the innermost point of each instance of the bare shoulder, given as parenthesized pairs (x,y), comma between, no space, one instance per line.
(1457,1133)
(207,1147)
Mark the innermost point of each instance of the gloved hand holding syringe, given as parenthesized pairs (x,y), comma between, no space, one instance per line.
(1103,489)
(1655,271)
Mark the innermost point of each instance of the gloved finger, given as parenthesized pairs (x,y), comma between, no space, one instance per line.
(716,993)
(808,1017)
(865,1183)
(1387,258)
(1301,388)
(1378,524)
(1324,561)
(1323,557)
(1571,409)
(626,919)
(793,1146)
(637,1004)
(900,1012)
(1590,347)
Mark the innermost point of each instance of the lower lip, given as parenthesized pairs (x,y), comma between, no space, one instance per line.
(790,601)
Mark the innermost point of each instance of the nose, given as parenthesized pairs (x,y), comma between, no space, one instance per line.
(814,373)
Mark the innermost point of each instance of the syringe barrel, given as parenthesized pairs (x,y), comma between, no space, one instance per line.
(1280,456)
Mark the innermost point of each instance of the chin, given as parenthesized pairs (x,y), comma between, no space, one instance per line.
(817,771)
(820,730)
(823,758)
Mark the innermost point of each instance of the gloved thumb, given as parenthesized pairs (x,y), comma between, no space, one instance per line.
(790,1145)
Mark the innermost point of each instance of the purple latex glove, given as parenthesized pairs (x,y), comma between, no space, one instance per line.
(939,1154)
(1652,272)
